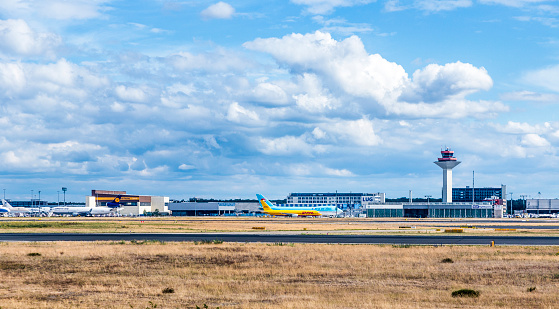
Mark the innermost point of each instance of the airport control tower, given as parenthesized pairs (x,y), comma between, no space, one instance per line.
(447,163)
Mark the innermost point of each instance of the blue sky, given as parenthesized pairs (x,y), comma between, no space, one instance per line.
(228,99)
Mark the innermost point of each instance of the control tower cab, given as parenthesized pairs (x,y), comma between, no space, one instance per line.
(447,162)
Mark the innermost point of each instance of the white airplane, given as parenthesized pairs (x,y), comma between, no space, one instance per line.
(7,210)
(112,208)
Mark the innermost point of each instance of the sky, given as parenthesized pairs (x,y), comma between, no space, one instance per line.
(229,99)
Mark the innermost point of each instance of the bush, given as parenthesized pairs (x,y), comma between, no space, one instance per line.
(465,293)
(531,289)
(34,254)
(168,290)
(447,260)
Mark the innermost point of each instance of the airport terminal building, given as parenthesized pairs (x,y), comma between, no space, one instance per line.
(132,205)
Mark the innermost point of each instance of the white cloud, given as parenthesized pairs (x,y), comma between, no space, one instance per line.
(534,140)
(56,9)
(130,94)
(288,145)
(512,3)
(314,98)
(359,132)
(239,114)
(346,62)
(12,78)
(327,6)
(347,66)
(269,93)
(17,39)
(547,78)
(220,10)
(427,5)
(517,128)
(530,96)
(314,169)
(218,61)
(186,167)
(61,78)
(436,83)
(452,108)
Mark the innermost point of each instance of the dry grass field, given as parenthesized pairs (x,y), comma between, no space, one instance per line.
(246,224)
(238,275)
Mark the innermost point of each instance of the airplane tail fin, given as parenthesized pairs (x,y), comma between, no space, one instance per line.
(6,204)
(266,205)
(115,203)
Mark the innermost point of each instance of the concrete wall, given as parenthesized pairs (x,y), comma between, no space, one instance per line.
(158,202)
(90,201)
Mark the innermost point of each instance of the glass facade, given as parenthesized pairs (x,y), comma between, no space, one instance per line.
(465,194)
(385,213)
(461,213)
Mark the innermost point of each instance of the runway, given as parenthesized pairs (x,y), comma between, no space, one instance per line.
(284,238)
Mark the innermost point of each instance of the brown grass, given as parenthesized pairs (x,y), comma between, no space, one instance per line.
(233,275)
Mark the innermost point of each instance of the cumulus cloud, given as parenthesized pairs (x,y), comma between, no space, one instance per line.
(534,140)
(312,96)
(434,91)
(220,10)
(239,114)
(288,145)
(436,83)
(17,39)
(130,94)
(345,63)
(327,6)
(218,61)
(269,94)
(61,78)
(359,132)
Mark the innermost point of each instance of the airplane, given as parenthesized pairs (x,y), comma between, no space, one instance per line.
(313,211)
(8,210)
(112,208)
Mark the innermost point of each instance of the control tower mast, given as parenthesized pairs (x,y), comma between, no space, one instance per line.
(447,163)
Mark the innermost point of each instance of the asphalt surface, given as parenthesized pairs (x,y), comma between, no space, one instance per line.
(300,238)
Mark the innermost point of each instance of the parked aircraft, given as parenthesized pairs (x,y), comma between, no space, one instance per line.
(312,211)
(112,208)
(7,210)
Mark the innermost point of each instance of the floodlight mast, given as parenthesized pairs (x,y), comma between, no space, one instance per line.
(447,162)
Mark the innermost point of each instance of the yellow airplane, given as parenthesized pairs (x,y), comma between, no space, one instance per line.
(317,211)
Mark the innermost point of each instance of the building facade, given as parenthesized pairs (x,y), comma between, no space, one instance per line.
(133,205)
(341,200)
(202,209)
(542,206)
(479,194)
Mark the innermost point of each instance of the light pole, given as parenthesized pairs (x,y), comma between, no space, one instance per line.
(523,197)
(428,196)
(510,203)
(32,199)
(428,210)
(58,192)
(64,189)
